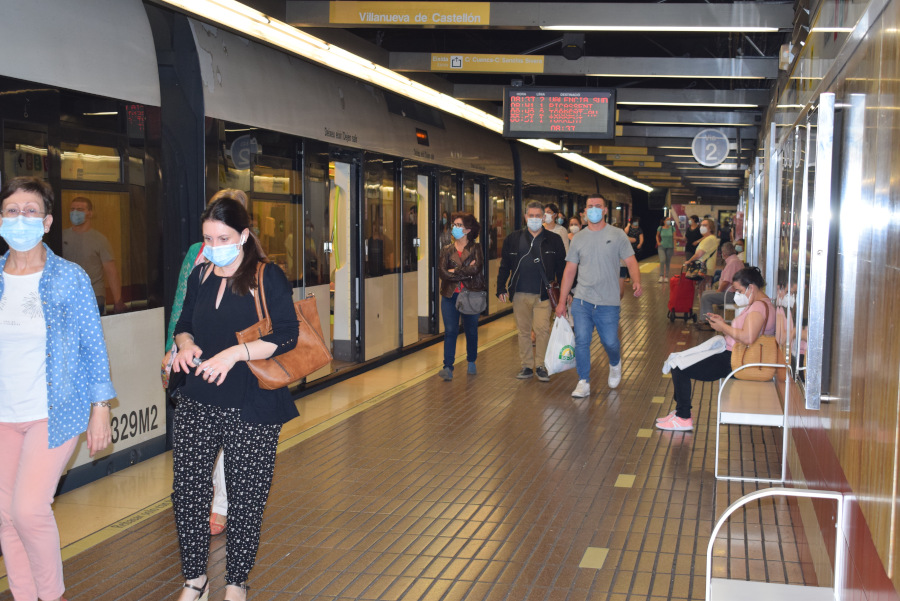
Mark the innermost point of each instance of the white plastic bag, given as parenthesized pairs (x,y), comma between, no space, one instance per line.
(561,348)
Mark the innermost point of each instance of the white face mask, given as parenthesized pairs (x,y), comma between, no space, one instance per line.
(785,301)
(704,230)
(534,223)
(548,218)
(574,229)
(740,299)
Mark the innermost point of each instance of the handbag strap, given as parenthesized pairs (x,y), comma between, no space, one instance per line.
(263,312)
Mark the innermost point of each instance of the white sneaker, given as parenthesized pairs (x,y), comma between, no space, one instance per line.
(615,374)
(582,390)
(661,279)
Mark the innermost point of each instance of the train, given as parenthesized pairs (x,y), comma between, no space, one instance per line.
(148,112)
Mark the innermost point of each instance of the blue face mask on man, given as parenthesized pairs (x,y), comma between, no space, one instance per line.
(22,233)
(457,232)
(222,256)
(595,214)
(76,217)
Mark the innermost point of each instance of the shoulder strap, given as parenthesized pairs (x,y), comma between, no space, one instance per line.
(260,296)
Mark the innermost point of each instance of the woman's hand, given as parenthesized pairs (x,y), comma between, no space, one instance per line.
(98,432)
(215,369)
(185,357)
(716,321)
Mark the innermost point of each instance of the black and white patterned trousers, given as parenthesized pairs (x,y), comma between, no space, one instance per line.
(199,431)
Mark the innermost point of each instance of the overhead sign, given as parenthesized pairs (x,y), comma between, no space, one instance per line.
(559,113)
(710,147)
(410,13)
(487,63)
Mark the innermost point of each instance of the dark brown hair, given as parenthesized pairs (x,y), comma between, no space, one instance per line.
(225,207)
(29,184)
(469,223)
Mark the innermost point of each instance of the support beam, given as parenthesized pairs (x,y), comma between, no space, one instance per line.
(702,118)
(745,99)
(606,66)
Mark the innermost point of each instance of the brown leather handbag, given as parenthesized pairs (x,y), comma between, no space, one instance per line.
(310,354)
(763,350)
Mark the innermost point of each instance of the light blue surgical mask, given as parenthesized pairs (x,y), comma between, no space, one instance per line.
(560,220)
(222,256)
(22,233)
(76,217)
(457,232)
(533,223)
(739,248)
(595,214)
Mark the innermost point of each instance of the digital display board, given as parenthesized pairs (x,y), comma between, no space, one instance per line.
(559,113)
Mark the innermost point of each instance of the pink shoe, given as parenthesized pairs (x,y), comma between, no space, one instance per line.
(665,418)
(677,424)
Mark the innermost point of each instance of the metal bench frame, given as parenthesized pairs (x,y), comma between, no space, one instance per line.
(771,420)
(768,590)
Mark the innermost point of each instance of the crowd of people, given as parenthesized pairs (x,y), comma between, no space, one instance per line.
(226,427)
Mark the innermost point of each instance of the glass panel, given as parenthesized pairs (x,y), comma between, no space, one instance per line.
(318,229)
(500,199)
(410,226)
(90,163)
(789,238)
(382,242)
(447,203)
(469,203)
(800,339)
(24,153)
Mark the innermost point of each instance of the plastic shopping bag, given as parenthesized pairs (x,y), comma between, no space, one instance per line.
(561,348)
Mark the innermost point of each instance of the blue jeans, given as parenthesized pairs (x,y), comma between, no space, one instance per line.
(587,317)
(451,330)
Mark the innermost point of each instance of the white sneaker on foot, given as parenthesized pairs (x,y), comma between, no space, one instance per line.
(582,390)
(615,374)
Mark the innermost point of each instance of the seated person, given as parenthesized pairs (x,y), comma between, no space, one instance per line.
(756,320)
(722,295)
(739,248)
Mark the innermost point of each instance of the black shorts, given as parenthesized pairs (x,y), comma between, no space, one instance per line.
(623,272)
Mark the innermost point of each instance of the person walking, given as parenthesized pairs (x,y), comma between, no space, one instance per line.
(221,404)
(594,257)
(665,246)
(460,266)
(692,236)
(54,385)
(554,220)
(532,258)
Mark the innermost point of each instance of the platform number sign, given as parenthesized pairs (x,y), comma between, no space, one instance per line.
(710,147)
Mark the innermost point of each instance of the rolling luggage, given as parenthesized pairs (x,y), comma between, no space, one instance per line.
(681,298)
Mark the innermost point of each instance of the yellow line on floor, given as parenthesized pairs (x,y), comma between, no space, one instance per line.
(79,546)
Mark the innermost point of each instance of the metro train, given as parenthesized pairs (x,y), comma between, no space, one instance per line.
(822,223)
(148,113)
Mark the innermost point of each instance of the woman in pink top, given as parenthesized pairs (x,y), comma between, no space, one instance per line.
(758,317)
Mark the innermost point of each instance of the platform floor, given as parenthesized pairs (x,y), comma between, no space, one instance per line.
(398,485)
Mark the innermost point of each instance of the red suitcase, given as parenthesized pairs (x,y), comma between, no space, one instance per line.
(681,298)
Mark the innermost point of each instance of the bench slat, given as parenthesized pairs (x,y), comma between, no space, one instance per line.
(749,403)
(723,589)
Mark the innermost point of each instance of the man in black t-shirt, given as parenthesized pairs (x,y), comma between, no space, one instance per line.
(635,235)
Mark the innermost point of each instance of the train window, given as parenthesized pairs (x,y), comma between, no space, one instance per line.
(788,238)
(382,242)
(318,229)
(90,163)
(265,164)
(447,194)
(412,208)
(500,199)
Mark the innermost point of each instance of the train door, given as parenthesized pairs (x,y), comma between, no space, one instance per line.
(447,200)
(329,249)
(416,258)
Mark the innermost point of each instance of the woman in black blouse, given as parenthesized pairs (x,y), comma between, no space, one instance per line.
(220,403)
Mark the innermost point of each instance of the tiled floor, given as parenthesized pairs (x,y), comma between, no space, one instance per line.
(489,487)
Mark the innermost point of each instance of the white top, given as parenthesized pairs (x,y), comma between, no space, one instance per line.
(23,345)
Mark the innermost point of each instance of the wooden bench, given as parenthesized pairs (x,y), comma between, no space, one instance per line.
(747,403)
(727,589)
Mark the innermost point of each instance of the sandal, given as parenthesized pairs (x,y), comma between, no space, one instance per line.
(241,585)
(215,527)
(202,592)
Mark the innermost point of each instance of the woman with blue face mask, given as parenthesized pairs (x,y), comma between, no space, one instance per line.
(54,385)
(221,404)
(460,266)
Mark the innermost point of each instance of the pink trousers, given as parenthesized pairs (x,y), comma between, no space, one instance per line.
(29,475)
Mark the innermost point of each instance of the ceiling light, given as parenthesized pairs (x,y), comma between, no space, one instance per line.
(832,30)
(252,23)
(678,76)
(671,28)
(689,123)
(101,114)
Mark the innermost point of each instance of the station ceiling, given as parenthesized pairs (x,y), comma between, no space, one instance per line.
(677,68)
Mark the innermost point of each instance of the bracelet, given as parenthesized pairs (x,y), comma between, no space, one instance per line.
(248,351)
(101,404)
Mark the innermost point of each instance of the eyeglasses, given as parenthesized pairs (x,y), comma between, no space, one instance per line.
(13,212)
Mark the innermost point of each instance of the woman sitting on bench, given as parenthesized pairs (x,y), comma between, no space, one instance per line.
(747,327)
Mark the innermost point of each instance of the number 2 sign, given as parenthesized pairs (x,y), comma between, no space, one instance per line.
(710,147)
